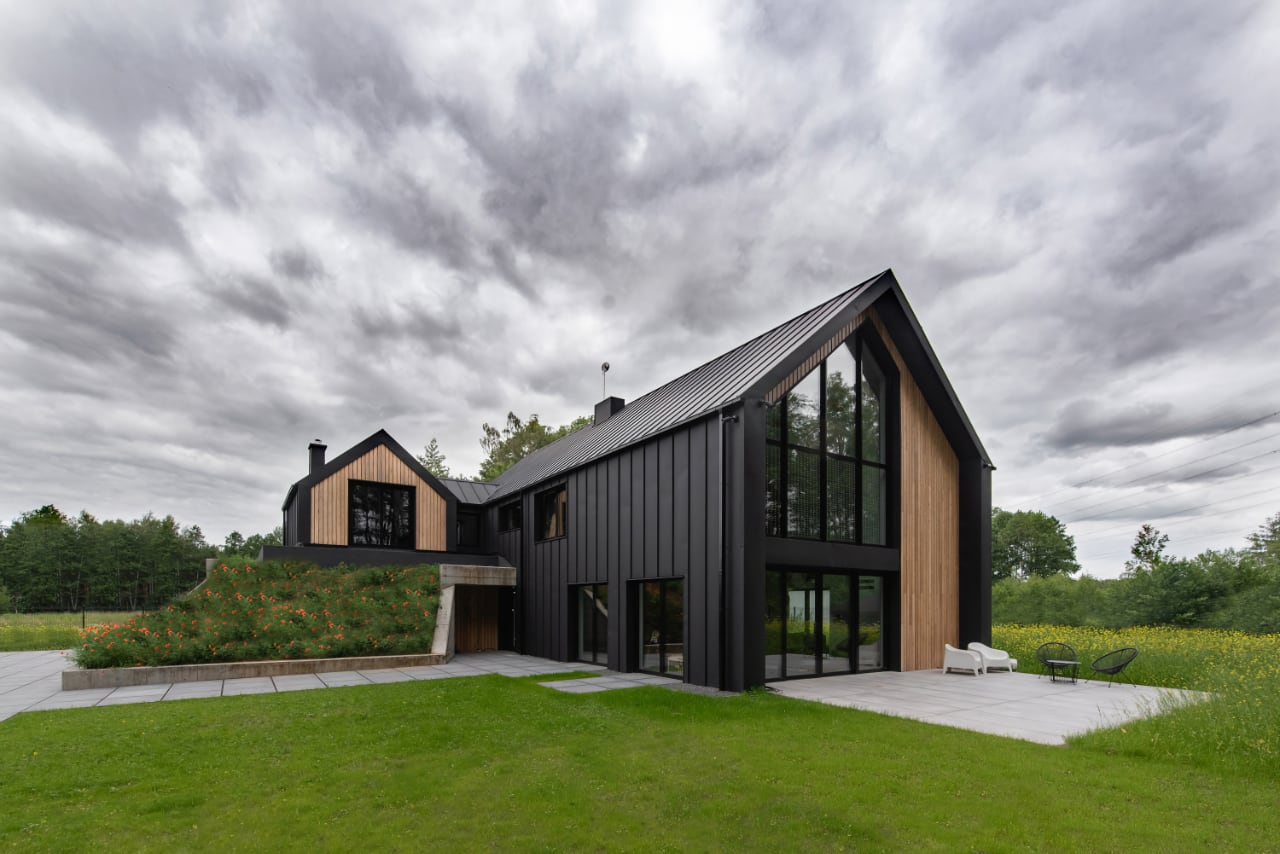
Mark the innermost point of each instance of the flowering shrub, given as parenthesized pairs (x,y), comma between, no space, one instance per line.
(259,611)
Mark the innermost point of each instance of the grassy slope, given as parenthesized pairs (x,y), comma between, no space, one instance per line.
(465,764)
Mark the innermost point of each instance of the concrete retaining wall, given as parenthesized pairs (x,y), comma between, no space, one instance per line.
(118,677)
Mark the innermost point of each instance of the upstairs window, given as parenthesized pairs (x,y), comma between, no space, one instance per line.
(549,512)
(826,459)
(510,517)
(380,514)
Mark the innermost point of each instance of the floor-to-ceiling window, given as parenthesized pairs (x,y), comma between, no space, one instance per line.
(826,459)
(591,602)
(822,623)
(661,624)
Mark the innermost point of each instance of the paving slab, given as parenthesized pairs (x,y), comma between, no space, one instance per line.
(1013,705)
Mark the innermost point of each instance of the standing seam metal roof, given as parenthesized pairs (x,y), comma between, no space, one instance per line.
(703,390)
(469,491)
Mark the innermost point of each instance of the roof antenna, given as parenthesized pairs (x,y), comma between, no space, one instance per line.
(604,375)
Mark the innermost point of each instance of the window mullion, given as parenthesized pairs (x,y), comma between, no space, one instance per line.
(822,450)
(857,439)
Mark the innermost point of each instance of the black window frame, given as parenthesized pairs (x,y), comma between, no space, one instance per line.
(510,516)
(402,539)
(599,651)
(558,497)
(777,516)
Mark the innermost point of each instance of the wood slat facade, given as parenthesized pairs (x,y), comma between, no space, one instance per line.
(929,577)
(329,511)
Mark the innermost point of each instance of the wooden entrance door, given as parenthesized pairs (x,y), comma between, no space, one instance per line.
(475,618)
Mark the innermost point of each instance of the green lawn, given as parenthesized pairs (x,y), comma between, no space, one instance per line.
(492,763)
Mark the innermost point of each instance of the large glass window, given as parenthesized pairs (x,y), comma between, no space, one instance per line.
(592,604)
(662,626)
(826,457)
(821,623)
(549,510)
(380,514)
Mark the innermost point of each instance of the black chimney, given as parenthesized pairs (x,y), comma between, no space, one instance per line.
(608,407)
(317,449)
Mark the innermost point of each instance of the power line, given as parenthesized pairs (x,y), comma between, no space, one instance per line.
(1198,537)
(1185,510)
(1179,480)
(1184,465)
(1156,457)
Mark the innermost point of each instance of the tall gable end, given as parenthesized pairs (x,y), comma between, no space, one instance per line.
(330,514)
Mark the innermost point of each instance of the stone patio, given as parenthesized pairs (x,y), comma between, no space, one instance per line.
(1013,705)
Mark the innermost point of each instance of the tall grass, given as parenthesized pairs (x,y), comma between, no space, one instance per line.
(21,632)
(263,610)
(1238,727)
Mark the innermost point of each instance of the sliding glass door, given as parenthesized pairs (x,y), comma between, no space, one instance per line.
(822,623)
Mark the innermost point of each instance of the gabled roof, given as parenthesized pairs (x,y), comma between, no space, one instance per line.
(716,384)
(355,452)
(469,491)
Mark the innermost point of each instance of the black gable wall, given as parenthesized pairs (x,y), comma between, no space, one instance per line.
(647,512)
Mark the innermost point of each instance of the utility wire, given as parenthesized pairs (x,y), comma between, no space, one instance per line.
(1267,417)
(1173,513)
(1089,507)
(1196,538)
(1179,466)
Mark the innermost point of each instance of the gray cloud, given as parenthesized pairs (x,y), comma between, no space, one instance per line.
(1104,424)
(225,230)
(297,262)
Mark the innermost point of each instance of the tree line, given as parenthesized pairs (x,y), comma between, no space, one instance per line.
(1033,560)
(52,562)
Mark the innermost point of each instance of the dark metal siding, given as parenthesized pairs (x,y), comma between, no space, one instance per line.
(648,512)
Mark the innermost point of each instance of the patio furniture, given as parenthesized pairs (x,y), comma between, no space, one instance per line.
(994,659)
(1114,663)
(961,659)
(1059,659)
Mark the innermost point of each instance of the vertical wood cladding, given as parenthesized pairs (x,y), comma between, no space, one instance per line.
(930,526)
(475,618)
(329,513)
(647,512)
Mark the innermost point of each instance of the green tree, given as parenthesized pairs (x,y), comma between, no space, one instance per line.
(253,545)
(1028,543)
(1264,543)
(233,544)
(433,459)
(517,439)
(1147,550)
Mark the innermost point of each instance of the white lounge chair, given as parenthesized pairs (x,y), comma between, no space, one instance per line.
(994,659)
(961,659)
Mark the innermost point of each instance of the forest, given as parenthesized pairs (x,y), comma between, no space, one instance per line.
(1033,559)
(52,562)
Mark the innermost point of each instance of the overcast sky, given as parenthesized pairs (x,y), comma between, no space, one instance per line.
(226,230)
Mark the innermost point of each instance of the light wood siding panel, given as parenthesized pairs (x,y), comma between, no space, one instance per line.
(930,527)
(329,500)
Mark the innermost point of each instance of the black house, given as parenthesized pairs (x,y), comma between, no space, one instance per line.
(814,501)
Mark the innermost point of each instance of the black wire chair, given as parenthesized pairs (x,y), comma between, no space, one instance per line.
(1059,659)
(1114,663)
